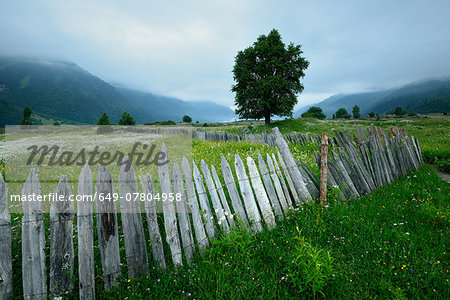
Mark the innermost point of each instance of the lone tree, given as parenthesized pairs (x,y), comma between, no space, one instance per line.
(342,113)
(187,119)
(371,114)
(127,119)
(267,77)
(314,112)
(104,120)
(398,111)
(26,116)
(355,112)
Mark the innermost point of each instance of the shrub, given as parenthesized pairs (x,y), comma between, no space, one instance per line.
(314,112)
(311,267)
(371,114)
(127,119)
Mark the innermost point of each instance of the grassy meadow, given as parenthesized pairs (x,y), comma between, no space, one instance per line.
(390,244)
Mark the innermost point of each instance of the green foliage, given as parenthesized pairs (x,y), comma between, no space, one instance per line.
(56,123)
(187,119)
(314,112)
(342,113)
(398,111)
(26,116)
(205,125)
(355,111)
(267,77)
(334,116)
(127,119)
(439,158)
(371,114)
(104,120)
(311,268)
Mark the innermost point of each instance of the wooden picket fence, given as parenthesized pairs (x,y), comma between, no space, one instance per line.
(260,138)
(260,197)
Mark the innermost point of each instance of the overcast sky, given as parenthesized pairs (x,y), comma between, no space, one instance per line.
(186,48)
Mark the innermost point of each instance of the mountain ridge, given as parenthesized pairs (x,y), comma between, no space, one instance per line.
(425,96)
(63,91)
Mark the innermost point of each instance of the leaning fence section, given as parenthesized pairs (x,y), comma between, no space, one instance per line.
(258,193)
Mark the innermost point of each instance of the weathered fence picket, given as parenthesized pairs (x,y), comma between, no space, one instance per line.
(223,198)
(34,276)
(247,195)
(220,214)
(107,227)
(197,221)
(183,214)
(85,225)
(133,229)
(289,179)
(282,180)
(232,191)
(61,240)
(260,194)
(152,222)
(270,189)
(208,218)
(6,284)
(277,184)
(170,218)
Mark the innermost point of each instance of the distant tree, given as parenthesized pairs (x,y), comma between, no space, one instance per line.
(371,114)
(342,113)
(56,123)
(196,122)
(127,119)
(26,116)
(334,116)
(355,112)
(444,113)
(187,119)
(314,112)
(267,77)
(205,125)
(398,111)
(104,120)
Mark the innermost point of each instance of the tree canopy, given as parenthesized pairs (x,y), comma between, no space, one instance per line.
(26,116)
(104,120)
(398,111)
(342,113)
(127,119)
(187,119)
(267,77)
(314,112)
(355,111)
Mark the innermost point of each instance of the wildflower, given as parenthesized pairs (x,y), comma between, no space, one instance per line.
(438,262)
(407,233)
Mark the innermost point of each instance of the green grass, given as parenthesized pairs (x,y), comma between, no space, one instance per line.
(390,244)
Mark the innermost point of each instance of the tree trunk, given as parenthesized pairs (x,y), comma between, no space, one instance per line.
(267,119)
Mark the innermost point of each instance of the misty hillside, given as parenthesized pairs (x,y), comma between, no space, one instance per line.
(432,96)
(58,90)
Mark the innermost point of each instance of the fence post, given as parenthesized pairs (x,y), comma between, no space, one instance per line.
(323,169)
